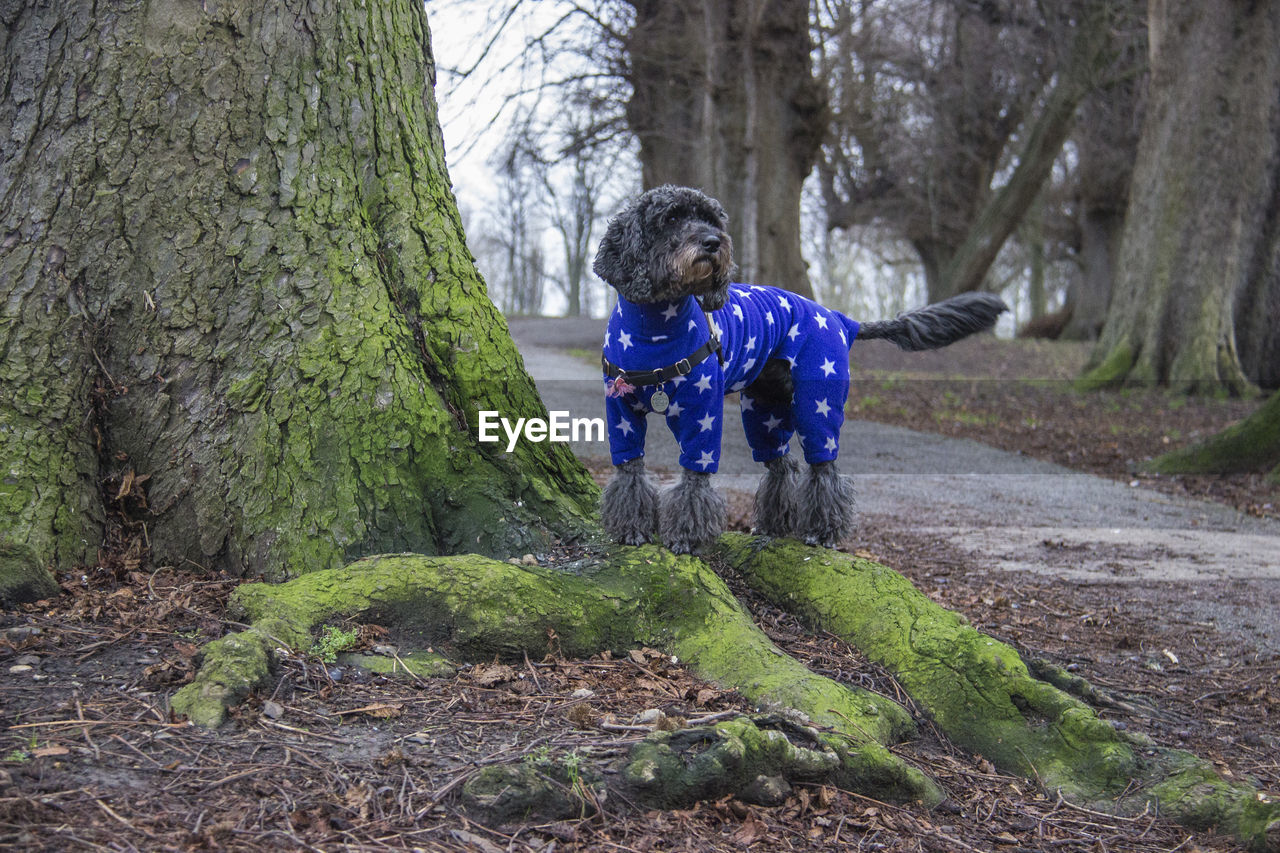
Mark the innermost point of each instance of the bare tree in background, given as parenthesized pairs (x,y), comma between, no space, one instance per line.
(948,118)
(719,95)
(516,230)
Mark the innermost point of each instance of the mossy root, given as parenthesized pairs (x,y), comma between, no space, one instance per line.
(617,600)
(981,695)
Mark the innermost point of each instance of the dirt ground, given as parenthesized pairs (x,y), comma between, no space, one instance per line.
(335,758)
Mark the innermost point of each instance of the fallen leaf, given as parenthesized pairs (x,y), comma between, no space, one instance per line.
(751,831)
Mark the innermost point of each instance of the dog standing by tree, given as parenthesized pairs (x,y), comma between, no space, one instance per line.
(682,337)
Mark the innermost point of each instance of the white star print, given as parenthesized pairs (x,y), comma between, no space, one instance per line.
(831,444)
(823,407)
(821,320)
(706,459)
(737,310)
(828,367)
(737,386)
(671,312)
(746,404)
(782,448)
(844,340)
(676,380)
(625,427)
(795,330)
(707,423)
(751,343)
(746,365)
(784,303)
(703,384)
(659,338)
(674,410)
(624,338)
(606,337)
(692,326)
(773,423)
(768,316)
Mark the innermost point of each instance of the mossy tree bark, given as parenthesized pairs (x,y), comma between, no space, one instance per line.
(724,99)
(232,269)
(1253,445)
(1198,281)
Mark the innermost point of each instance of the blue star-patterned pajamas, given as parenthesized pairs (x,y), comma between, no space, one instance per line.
(756,324)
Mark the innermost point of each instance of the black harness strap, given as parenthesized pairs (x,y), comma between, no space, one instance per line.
(683,367)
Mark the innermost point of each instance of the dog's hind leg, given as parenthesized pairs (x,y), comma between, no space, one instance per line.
(629,505)
(827,505)
(778,499)
(692,513)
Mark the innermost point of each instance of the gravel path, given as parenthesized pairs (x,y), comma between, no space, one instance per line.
(1004,511)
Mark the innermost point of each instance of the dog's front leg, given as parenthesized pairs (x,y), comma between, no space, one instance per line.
(629,505)
(693,513)
(778,499)
(827,504)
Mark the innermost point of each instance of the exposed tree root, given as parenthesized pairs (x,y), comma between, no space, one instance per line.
(1251,445)
(618,600)
(980,693)
(978,690)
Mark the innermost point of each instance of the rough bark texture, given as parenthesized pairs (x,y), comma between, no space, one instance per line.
(724,99)
(1196,288)
(231,264)
(1107,131)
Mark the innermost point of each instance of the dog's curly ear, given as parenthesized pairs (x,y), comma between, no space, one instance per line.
(620,260)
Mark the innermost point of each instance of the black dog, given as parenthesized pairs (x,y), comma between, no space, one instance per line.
(683,337)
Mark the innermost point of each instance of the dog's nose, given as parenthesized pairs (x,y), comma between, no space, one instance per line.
(711,244)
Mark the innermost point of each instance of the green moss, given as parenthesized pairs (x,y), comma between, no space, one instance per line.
(978,690)
(230,668)
(1253,445)
(616,600)
(1112,370)
(543,791)
(22,576)
(1194,794)
(419,664)
(982,696)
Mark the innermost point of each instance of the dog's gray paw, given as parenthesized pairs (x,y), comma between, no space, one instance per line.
(636,539)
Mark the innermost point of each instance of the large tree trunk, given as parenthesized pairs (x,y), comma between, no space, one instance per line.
(724,99)
(232,270)
(1106,142)
(1198,265)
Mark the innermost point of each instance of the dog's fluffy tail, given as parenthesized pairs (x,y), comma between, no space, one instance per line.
(939,324)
